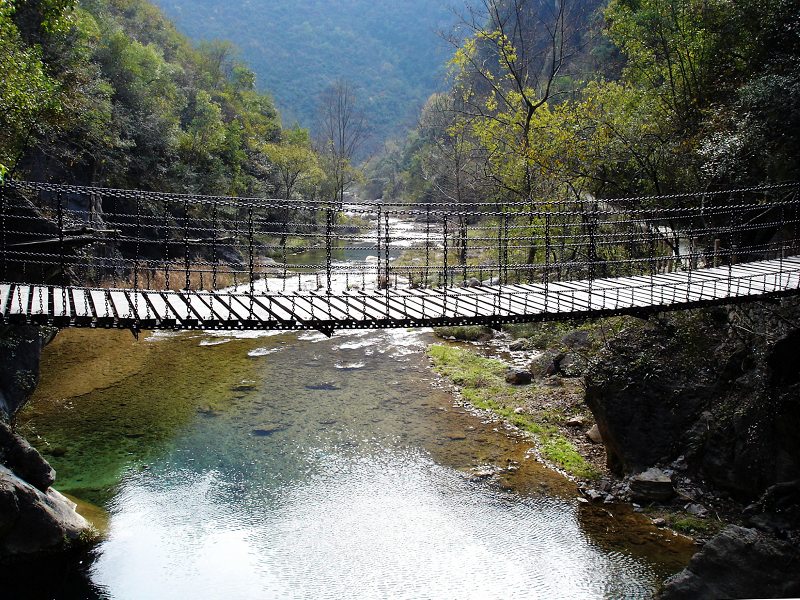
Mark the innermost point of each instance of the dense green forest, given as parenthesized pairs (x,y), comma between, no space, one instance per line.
(108,92)
(542,100)
(390,49)
(629,97)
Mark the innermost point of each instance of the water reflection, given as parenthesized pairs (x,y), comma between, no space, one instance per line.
(396,525)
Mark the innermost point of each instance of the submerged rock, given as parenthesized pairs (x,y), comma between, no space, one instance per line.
(324,386)
(739,563)
(268,429)
(654,485)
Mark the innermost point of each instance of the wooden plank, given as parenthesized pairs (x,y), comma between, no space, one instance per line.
(201,306)
(400,302)
(446,301)
(370,312)
(19,300)
(100,302)
(5,298)
(431,302)
(228,308)
(427,307)
(79,303)
(277,313)
(139,305)
(249,310)
(59,298)
(123,309)
(319,307)
(196,310)
(161,311)
(38,304)
(296,305)
(340,307)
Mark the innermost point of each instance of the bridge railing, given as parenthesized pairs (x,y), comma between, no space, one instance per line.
(101,237)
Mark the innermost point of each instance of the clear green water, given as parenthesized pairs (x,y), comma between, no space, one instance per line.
(296,466)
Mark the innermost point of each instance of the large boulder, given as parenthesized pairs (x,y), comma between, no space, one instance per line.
(24,460)
(739,563)
(516,376)
(33,522)
(546,364)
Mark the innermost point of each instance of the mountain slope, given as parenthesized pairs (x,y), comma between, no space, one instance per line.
(389,48)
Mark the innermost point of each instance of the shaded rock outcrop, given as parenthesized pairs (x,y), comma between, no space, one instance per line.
(739,563)
(20,349)
(719,387)
(33,522)
(24,460)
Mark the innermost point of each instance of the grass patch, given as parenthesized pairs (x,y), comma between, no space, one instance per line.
(690,524)
(482,383)
(559,450)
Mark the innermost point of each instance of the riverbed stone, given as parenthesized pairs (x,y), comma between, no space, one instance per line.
(575,422)
(518,376)
(517,345)
(653,485)
(594,435)
(698,510)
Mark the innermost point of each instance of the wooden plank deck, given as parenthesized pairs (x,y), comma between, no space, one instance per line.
(145,309)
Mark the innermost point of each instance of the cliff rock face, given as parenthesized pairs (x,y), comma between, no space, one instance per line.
(20,349)
(720,387)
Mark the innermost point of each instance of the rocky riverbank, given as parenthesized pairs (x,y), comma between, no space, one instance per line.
(691,416)
(35,520)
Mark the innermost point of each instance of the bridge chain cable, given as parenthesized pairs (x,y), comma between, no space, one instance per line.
(89,256)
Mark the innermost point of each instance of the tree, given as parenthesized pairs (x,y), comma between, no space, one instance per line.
(294,160)
(342,131)
(507,70)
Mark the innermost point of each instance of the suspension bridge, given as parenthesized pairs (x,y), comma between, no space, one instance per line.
(77,256)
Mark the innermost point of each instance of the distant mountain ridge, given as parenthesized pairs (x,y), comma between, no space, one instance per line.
(389,48)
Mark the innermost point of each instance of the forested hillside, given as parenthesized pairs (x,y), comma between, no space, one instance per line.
(389,48)
(562,100)
(107,92)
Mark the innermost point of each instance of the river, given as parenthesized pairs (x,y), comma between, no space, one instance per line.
(298,466)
